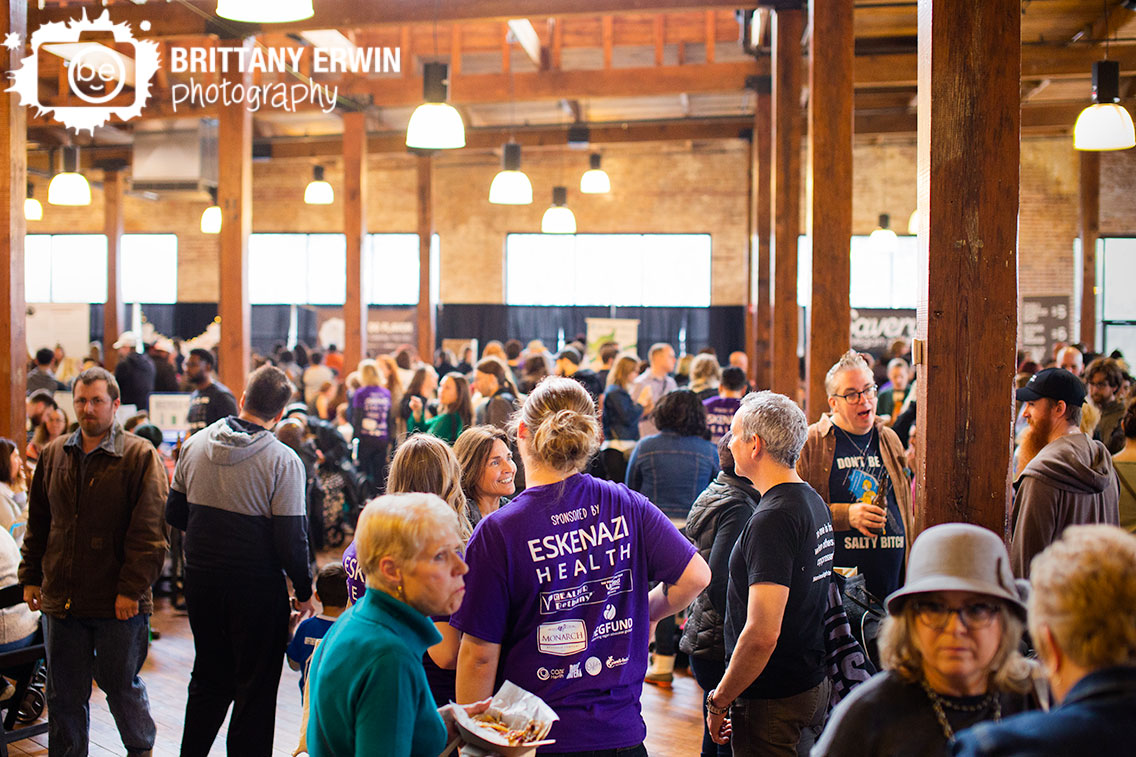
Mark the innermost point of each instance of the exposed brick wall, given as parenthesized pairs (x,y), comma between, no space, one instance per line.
(663,187)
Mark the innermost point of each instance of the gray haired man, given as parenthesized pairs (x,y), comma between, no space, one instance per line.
(775,686)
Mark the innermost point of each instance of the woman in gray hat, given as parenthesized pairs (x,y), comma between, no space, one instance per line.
(949,648)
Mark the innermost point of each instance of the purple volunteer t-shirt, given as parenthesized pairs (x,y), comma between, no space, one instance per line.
(559,579)
(356,581)
(719,414)
(375,402)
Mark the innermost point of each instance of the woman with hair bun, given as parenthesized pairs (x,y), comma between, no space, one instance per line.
(557,596)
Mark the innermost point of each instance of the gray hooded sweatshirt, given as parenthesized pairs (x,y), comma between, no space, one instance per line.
(238,493)
(1070,482)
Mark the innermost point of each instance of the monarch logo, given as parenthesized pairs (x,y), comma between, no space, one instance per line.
(108,71)
(565,638)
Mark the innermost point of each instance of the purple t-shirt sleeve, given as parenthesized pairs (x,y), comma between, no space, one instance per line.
(486,616)
(669,552)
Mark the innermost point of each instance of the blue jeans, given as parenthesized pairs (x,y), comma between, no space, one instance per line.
(708,671)
(112,652)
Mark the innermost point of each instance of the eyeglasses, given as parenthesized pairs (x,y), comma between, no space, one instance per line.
(1099,384)
(937,615)
(854,397)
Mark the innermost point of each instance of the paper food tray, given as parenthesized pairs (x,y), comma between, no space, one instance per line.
(516,708)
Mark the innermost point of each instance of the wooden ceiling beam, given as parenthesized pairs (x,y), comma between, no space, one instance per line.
(197,16)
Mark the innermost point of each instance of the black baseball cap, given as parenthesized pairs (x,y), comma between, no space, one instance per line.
(1056,384)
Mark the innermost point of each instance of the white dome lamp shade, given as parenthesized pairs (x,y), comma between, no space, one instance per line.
(69,187)
(318,191)
(211,218)
(435,124)
(595,180)
(511,186)
(265,11)
(1106,124)
(33,209)
(558,219)
(884,238)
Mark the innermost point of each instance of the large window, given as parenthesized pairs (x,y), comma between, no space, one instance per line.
(73,268)
(311,269)
(670,270)
(1116,259)
(880,278)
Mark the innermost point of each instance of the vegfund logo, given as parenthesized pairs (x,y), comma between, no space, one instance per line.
(108,71)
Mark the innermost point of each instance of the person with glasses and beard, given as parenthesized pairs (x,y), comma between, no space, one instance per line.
(1070,481)
(858,466)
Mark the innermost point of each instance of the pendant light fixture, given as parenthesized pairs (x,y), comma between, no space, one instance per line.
(511,186)
(435,124)
(318,191)
(558,219)
(595,180)
(211,218)
(33,210)
(265,11)
(69,187)
(1106,124)
(883,239)
(913,223)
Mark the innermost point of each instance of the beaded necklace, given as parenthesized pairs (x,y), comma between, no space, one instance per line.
(938,702)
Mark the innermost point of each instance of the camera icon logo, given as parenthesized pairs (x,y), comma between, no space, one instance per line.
(108,72)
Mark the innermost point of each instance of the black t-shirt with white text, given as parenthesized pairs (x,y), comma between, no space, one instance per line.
(209,405)
(858,475)
(787,541)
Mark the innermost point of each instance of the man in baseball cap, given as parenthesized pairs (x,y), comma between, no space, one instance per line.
(1071,479)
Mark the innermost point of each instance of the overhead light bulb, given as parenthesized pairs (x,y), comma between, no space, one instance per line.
(211,218)
(33,210)
(69,187)
(511,186)
(265,12)
(913,223)
(558,219)
(435,124)
(883,238)
(1106,124)
(595,180)
(318,191)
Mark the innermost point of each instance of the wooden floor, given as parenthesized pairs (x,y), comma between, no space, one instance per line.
(673,717)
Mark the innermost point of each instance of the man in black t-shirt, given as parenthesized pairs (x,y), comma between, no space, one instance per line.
(211,400)
(776,687)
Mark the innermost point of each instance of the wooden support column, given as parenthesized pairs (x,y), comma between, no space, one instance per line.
(1090,231)
(786,97)
(114,311)
(761,313)
(355,230)
(13,189)
(967,313)
(829,182)
(426,274)
(234,194)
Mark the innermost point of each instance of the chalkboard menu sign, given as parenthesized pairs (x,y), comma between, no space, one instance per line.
(1045,321)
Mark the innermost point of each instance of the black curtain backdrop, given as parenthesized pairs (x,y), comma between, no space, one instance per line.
(721,327)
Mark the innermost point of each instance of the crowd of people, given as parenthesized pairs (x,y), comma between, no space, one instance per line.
(578,526)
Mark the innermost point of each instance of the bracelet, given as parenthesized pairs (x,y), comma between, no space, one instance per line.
(712,708)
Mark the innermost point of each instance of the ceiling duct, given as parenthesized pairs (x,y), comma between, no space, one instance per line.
(179,157)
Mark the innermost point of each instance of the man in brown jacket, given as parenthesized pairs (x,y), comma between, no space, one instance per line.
(857,465)
(95,543)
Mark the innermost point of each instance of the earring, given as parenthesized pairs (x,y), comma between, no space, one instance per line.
(401,593)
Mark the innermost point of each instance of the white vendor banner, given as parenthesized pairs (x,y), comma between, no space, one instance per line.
(622,331)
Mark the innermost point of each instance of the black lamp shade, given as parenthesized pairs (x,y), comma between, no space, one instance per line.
(560,196)
(1106,82)
(511,161)
(434,77)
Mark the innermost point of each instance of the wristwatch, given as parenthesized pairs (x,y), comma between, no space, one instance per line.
(712,708)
